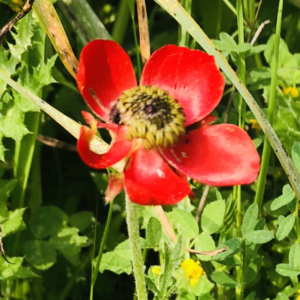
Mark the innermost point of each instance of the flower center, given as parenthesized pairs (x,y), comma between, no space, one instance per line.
(151,114)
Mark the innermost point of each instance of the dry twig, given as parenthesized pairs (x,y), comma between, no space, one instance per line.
(25,10)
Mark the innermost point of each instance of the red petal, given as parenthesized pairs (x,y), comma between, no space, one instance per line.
(219,155)
(104,72)
(120,147)
(115,186)
(149,180)
(190,76)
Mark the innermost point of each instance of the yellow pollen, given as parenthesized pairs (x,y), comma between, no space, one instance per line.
(151,114)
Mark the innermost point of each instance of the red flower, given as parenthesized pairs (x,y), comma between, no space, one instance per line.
(151,124)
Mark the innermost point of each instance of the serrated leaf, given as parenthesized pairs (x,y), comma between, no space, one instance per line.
(15,269)
(153,232)
(287,196)
(224,279)
(47,221)
(184,222)
(285,227)
(14,222)
(287,270)
(294,256)
(250,219)
(259,236)
(204,242)
(212,216)
(40,254)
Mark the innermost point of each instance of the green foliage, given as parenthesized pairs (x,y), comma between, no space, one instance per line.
(212,217)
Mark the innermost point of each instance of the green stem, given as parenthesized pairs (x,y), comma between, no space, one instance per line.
(138,57)
(242,112)
(122,18)
(271,108)
(183,34)
(103,242)
(230,6)
(136,253)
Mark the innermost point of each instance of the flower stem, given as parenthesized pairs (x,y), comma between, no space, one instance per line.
(271,108)
(136,253)
(103,241)
(242,112)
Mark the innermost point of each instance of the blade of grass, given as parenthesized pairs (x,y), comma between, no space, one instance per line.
(84,21)
(177,12)
(48,17)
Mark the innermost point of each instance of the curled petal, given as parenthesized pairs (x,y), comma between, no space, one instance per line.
(89,118)
(115,186)
(104,72)
(218,155)
(149,180)
(120,147)
(190,76)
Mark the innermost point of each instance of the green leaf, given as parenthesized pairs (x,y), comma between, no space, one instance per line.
(68,241)
(224,279)
(204,242)
(116,263)
(47,221)
(82,220)
(285,227)
(252,270)
(287,196)
(281,296)
(177,249)
(40,254)
(14,222)
(184,222)
(203,286)
(226,38)
(250,219)
(233,247)
(296,155)
(151,285)
(15,269)
(153,232)
(212,216)
(251,296)
(243,48)
(287,270)
(294,256)
(259,236)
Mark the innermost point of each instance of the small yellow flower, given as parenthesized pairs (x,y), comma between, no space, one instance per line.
(192,270)
(255,125)
(156,270)
(292,91)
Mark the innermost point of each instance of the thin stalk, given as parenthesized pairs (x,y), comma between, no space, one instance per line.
(271,109)
(242,112)
(230,6)
(138,57)
(120,27)
(103,242)
(136,253)
(183,34)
